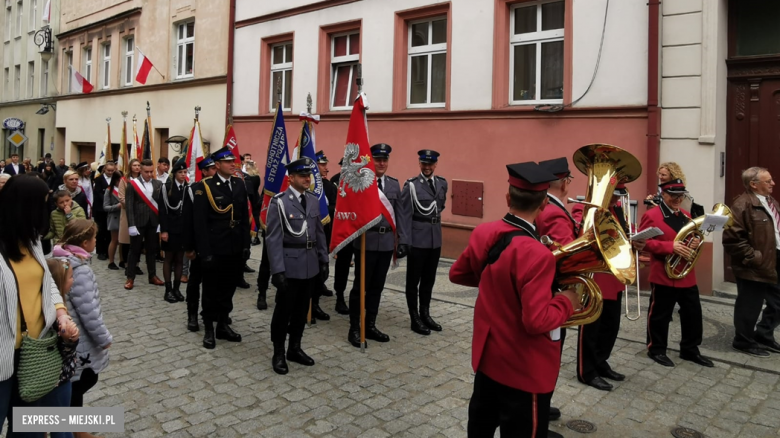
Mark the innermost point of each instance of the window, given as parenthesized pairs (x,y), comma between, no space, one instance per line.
(17,81)
(536,53)
(281,72)
(427,73)
(19,18)
(7,83)
(45,78)
(185,50)
(68,70)
(30,78)
(87,72)
(33,14)
(127,77)
(106,74)
(344,58)
(7,20)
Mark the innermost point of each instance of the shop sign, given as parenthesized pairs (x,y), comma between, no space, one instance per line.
(13,124)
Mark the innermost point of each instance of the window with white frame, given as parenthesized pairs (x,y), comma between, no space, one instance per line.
(344,58)
(87,72)
(185,50)
(30,78)
(17,81)
(536,53)
(427,75)
(45,78)
(33,14)
(281,73)
(7,20)
(106,66)
(19,14)
(127,75)
(6,84)
(68,70)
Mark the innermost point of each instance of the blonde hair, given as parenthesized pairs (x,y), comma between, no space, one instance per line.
(674,170)
(77,231)
(251,169)
(58,266)
(68,174)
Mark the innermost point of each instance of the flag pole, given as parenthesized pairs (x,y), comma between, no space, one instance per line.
(108,133)
(123,147)
(135,140)
(359,82)
(308,109)
(151,131)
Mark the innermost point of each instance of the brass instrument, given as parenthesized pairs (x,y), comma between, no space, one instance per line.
(678,267)
(625,202)
(602,245)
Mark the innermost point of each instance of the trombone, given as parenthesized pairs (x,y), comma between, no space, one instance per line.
(626,204)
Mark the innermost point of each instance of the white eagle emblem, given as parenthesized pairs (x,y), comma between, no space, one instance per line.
(355,175)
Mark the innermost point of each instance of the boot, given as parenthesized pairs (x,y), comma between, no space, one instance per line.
(341,305)
(208,338)
(192,317)
(372,332)
(354,331)
(278,362)
(417,324)
(261,303)
(425,316)
(176,291)
(169,296)
(316,312)
(225,332)
(295,354)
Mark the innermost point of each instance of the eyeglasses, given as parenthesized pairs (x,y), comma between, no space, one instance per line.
(569,178)
(676,195)
(769,181)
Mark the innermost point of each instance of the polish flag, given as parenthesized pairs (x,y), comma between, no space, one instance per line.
(78,84)
(194,153)
(47,12)
(144,67)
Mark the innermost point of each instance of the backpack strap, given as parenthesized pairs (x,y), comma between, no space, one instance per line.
(501,244)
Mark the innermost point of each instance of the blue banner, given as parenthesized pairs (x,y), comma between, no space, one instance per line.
(307,149)
(278,156)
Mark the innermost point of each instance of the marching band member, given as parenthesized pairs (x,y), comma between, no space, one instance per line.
(666,292)
(513,386)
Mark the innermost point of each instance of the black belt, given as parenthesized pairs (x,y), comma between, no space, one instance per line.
(308,245)
(381,230)
(429,220)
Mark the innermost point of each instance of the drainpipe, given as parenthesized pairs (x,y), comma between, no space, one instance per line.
(231,38)
(653,81)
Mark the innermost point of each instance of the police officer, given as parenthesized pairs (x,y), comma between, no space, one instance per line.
(343,262)
(380,245)
(296,238)
(422,201)
(330,194)
(207,170)
(222,240)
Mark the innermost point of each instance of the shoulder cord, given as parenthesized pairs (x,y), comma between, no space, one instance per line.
(214,205)
(283,219)
(425,211)
(165,199)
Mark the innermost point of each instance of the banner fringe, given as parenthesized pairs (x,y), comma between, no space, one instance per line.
(355,235)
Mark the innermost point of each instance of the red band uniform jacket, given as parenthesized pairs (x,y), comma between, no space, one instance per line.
(662,246)
(556,222)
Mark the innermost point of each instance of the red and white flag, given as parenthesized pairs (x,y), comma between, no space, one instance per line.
(47,12)
(144,67)
(195,153)
(232,142)
(78,84)
(358,206)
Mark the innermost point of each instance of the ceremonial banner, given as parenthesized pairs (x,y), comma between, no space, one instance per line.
(358,207)
(306,148)
(146,144)
(122,160)
(106,144)
(231,142)
(278,156)
(195,153)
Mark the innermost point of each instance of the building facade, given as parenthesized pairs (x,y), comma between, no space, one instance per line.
(186,41)
(29,80)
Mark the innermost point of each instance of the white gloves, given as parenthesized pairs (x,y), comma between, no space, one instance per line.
(158,229)
(133,231)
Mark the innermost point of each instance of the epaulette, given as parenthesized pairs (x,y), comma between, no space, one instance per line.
(206,178)
(440,177)
(412,178)
(388,176)
(279,195)
(311,193)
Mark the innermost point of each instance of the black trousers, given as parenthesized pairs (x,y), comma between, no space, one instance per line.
(80,387)
(193,285)
(146,239)
(421,275)
(515,413)
(103,235)
(662,301)
(264,272)
(341,276)
(377,265)
(596,340)
(291,310)
(219,285)
(750,299)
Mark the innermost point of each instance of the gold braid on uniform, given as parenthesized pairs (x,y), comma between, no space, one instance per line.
(214,205)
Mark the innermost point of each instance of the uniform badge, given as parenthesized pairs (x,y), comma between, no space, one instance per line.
(218,183)
(198,192)
(421,181)
(292,216)
(290,196)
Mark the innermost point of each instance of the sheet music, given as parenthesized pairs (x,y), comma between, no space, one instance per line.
(714,222)
(647,233)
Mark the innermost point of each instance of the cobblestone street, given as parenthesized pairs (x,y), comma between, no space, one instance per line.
(414,386)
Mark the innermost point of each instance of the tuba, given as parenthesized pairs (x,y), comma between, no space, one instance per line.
(678,267)
(602,245)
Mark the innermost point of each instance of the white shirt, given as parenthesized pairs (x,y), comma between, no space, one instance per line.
(162,178)
(432,178)
(16,168)
(107,178)
(225,180)
(147,187)
(765,204)
(297,194)
(381,178)
(86,187)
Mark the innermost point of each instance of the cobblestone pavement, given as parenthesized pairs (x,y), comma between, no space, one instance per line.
(413,386)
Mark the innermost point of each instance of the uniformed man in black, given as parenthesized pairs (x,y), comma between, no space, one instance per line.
(343,262)
(380,245)
(207,169)
(221,222)
(331,191)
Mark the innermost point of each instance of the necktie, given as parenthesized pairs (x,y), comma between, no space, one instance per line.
(303,201)
(379,184)
(771,202)
(227,183)
(430,183)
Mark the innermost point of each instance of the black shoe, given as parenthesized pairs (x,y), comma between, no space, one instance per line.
(341,305)
(752,351)
(278,362)
(243,284)
(612,375)
(661,358)
(552,434)
(208,338)
(159,259)
(600,384)
(138,271)
(354,335)
(417,324)
(176,291)
(697,359)
(247,269)
(770,345)
(261,303)
(192,322)
(113,267)
(256,241)
(313,320)
(326,292)
(296,354)
(372,332)
(169,296)
(225,332)
(102,256)
(555,413)
(316,312)
(425,316)
(122,265)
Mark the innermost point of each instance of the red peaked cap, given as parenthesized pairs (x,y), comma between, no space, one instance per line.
(529,176)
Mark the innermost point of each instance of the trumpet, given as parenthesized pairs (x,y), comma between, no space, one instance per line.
(678,267)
